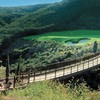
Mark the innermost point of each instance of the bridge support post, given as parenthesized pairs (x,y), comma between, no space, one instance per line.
(22,77)
(88,63)
(45,75)
(55,72)
(97,60)
(34,76)
(83,65)
(28,78)
(63,71)
(77,68)
(93,62)
(14,81)
(7,69)
(71,70)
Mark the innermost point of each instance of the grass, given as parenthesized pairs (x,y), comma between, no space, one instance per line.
(49,90)
(64,36)
(2,71)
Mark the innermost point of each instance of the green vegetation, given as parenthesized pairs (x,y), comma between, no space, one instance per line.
(65,36)
(10,14)
(22,36)
(21,9)
(49,90)
(2,71)
(37,54)
(25,21)
(33,20)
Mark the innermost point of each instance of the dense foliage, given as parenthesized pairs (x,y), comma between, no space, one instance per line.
(49,90)
(9,15)
(21,21)
(35,54)
(21,9)
(17,22)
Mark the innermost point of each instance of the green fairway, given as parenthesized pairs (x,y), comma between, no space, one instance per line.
(65,36)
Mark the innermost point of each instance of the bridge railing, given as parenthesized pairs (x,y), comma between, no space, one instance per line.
(24,79)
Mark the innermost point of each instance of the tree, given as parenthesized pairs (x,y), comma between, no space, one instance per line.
(95,46)
(7,69)
(18,68)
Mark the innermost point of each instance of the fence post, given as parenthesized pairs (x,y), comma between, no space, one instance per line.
(45,74)
(55,72)
(28,78)
(93,62)
(7,69)
(77,68)
(18,68)
(83,65)
(71,70)
(14,81)
(88,63)
(63,71)
(34,76)
(97,60)
(22,77)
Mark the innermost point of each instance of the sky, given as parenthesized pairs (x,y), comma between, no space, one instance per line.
(9,3)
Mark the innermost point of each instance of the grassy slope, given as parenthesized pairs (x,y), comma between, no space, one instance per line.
(52,91)
(68,35)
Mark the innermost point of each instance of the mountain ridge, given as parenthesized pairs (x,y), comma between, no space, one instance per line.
(64,15)
(64,12)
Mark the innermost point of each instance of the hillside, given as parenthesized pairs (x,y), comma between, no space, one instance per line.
(62,15)
(76,20)
(21,9)
(10,14)
(65,15)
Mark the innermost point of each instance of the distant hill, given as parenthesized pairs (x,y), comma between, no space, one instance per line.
(65,15)
(21,9)
(62,15)
(10,14)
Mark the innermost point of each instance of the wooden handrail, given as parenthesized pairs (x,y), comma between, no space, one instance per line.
(54,73)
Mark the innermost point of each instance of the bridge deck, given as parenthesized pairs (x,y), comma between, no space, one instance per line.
(53,73)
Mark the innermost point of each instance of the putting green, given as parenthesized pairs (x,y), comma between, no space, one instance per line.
(64,36)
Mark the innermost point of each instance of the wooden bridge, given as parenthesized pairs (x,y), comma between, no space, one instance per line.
(65,71)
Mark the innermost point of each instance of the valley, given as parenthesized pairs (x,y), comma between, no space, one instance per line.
(47,37)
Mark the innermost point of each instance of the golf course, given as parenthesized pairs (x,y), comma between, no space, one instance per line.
(74,36)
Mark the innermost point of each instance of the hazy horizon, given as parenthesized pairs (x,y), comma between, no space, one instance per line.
(12,3)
